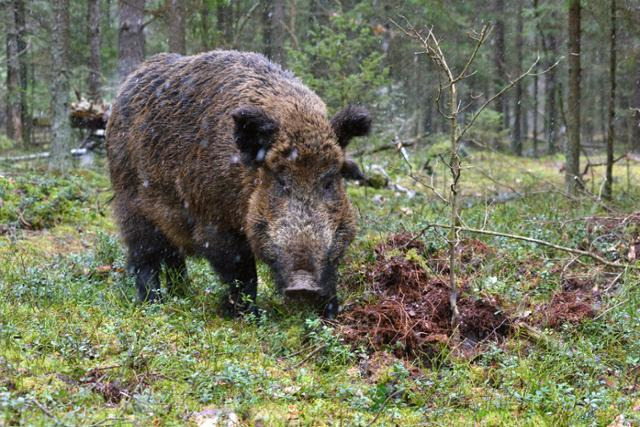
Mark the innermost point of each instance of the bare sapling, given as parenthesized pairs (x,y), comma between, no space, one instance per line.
(431,47)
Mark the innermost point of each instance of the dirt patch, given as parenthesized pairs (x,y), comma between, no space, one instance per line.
(573,304)
(112,390)
(410,311)
(568,307)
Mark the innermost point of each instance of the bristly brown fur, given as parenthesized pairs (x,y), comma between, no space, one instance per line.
(226,155)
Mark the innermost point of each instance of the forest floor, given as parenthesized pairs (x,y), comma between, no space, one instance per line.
(547,338)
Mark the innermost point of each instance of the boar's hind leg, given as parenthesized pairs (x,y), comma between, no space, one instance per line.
(235,264)
(148,247)
(176,273)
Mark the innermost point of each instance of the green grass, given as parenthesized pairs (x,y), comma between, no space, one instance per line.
(70,325)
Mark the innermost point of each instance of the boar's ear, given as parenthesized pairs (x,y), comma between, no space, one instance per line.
(253,133)
(351,121)
(351,171)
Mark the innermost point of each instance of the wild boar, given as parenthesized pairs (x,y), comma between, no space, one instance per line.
(227,156)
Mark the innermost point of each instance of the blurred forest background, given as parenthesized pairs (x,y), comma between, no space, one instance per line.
(524,207)
(57,52)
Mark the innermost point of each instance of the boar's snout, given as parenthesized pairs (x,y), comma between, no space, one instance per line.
(303,285)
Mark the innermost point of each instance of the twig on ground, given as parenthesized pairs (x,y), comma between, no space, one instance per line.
(46,411)
(384,404)
(613,282)
(310,355)
(543,243)
(608,309)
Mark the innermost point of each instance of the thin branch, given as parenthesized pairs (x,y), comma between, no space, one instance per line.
(575,251)
(592,165)
(385,147)
(496,96)
(243,21)
(484,33)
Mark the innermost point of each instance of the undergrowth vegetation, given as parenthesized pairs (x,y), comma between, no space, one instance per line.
(77,349)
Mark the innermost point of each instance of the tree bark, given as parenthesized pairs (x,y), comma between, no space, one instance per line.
(274,31)
(176,26)
(319,11)
(205,26)
(517,113)
(60,159)
(572,152)
(498,59)
(536,13)
(14,120)
(224,16)
(608,187)
(25,113)
(130,36)
(551,107)
(93,33)
(635,103)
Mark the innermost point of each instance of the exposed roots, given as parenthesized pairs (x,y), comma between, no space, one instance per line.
(410,311)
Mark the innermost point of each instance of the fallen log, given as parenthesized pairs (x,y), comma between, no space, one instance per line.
(76,152)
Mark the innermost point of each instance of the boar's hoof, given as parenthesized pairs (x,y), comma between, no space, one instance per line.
(331,309)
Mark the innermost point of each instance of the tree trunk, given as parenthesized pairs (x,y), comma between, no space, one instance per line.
(551,107)
(60,159)
(274,31)
(535,84)
(418,100)
(608,188)
(93,31)
(516,146)
(205,26)
(224,16)
(603,95)
(176,26)
(25,113)
(319,11)
(14,120)
(572,152)
(635,103)
(498,59)
(130,36)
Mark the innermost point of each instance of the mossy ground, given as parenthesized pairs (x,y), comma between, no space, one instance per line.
(76,348)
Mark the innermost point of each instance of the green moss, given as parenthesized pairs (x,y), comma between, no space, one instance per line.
(63,314)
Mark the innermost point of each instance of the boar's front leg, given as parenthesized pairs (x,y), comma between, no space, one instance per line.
(233,260)
(332,304)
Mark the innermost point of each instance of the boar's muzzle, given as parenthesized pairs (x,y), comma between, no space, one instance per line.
(302,286)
